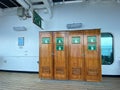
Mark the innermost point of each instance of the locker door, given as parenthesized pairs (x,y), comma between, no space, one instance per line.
(92,55)
(46,58)
(60,55)
(76,56)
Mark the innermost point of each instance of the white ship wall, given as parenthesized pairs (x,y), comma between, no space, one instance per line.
(12,57)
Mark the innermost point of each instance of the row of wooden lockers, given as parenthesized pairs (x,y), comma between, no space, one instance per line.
(73,55)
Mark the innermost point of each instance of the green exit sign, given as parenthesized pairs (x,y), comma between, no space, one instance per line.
(37,19)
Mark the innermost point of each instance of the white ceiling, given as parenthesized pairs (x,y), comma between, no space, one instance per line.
(47,5)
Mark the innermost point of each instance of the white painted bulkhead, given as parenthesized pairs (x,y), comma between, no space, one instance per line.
(99,15)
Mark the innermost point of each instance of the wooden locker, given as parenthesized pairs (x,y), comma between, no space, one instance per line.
(92,55)
(60,55)
(46,58)
(76,55)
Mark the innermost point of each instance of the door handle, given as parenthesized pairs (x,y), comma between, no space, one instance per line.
(52,54)
(83,55)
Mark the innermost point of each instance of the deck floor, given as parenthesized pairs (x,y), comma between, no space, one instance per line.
(30,81)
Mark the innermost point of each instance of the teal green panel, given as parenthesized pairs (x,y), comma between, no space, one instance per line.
(75,40)
(91,39)
(59,47)
(91,46)
(59,40)
(45,40)
(37,19)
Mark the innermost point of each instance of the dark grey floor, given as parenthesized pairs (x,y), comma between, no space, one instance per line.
(30,81)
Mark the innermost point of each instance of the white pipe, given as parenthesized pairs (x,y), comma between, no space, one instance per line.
(26,4)
(30,5)
(22,2)
(48,6)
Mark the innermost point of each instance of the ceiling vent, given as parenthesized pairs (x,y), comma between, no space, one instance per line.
(20,28)
(67,1)
(74,25)
(37,3)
